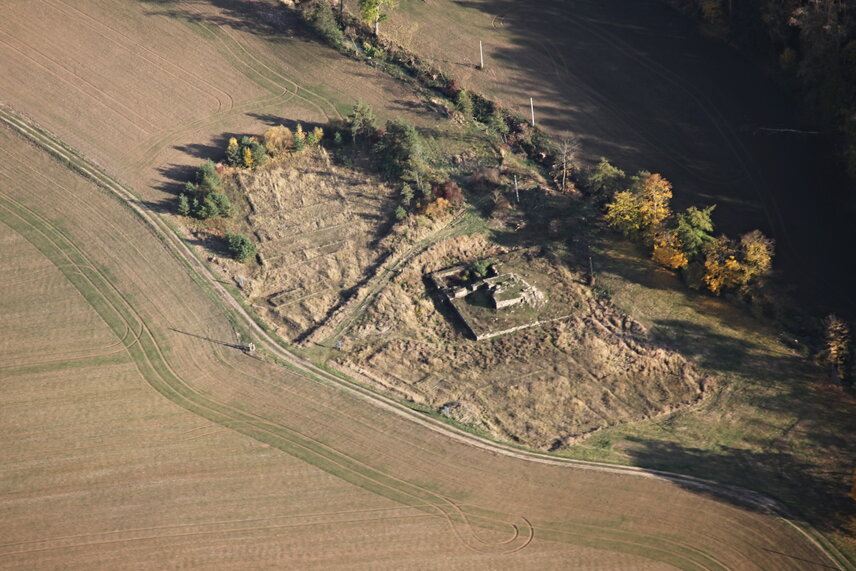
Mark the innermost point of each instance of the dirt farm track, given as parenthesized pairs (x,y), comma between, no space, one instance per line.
(137,436)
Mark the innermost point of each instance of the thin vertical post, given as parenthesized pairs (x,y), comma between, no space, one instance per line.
(481,55)
(516,191)
(532,107)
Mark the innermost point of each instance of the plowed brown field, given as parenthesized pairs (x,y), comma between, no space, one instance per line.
(188,452)
(137,436)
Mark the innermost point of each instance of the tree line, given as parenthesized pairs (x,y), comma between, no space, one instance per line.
(639,206)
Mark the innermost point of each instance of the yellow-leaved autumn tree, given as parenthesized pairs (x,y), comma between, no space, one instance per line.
(757,257)
(655,194)
(623,213)
(668,251)
(722,269)
(248,157)
(642,209)
(837,343)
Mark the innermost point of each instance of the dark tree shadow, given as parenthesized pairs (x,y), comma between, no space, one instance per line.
(821,497)
(274,22)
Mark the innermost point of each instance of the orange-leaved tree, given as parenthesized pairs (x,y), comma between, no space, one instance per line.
(668,251)
(722,269)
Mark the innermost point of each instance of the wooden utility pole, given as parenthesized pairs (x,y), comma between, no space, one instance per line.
(591,272)
(532,108)
(481,55)
(516,191)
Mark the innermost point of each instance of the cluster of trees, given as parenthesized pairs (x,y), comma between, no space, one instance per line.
(204,198)
(240,246)
(247,153)
(254,152)
(639,206)
(399,153)
(814,40)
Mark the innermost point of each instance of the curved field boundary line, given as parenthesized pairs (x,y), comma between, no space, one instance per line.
(202,276)
(153,147)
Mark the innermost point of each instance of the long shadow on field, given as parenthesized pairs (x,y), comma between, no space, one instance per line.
(261,18)
(208,339)
(781,475)
(638,85)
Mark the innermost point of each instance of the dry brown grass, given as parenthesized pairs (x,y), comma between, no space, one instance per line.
(543,386)
(320,228)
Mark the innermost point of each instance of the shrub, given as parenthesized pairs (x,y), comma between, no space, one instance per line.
(496,122)
(464,104)
(240,246)
(668,251)
(278,140)
(481,268)
(436,208)
(372,51)
(448,190)
(400,213)
(722,269)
